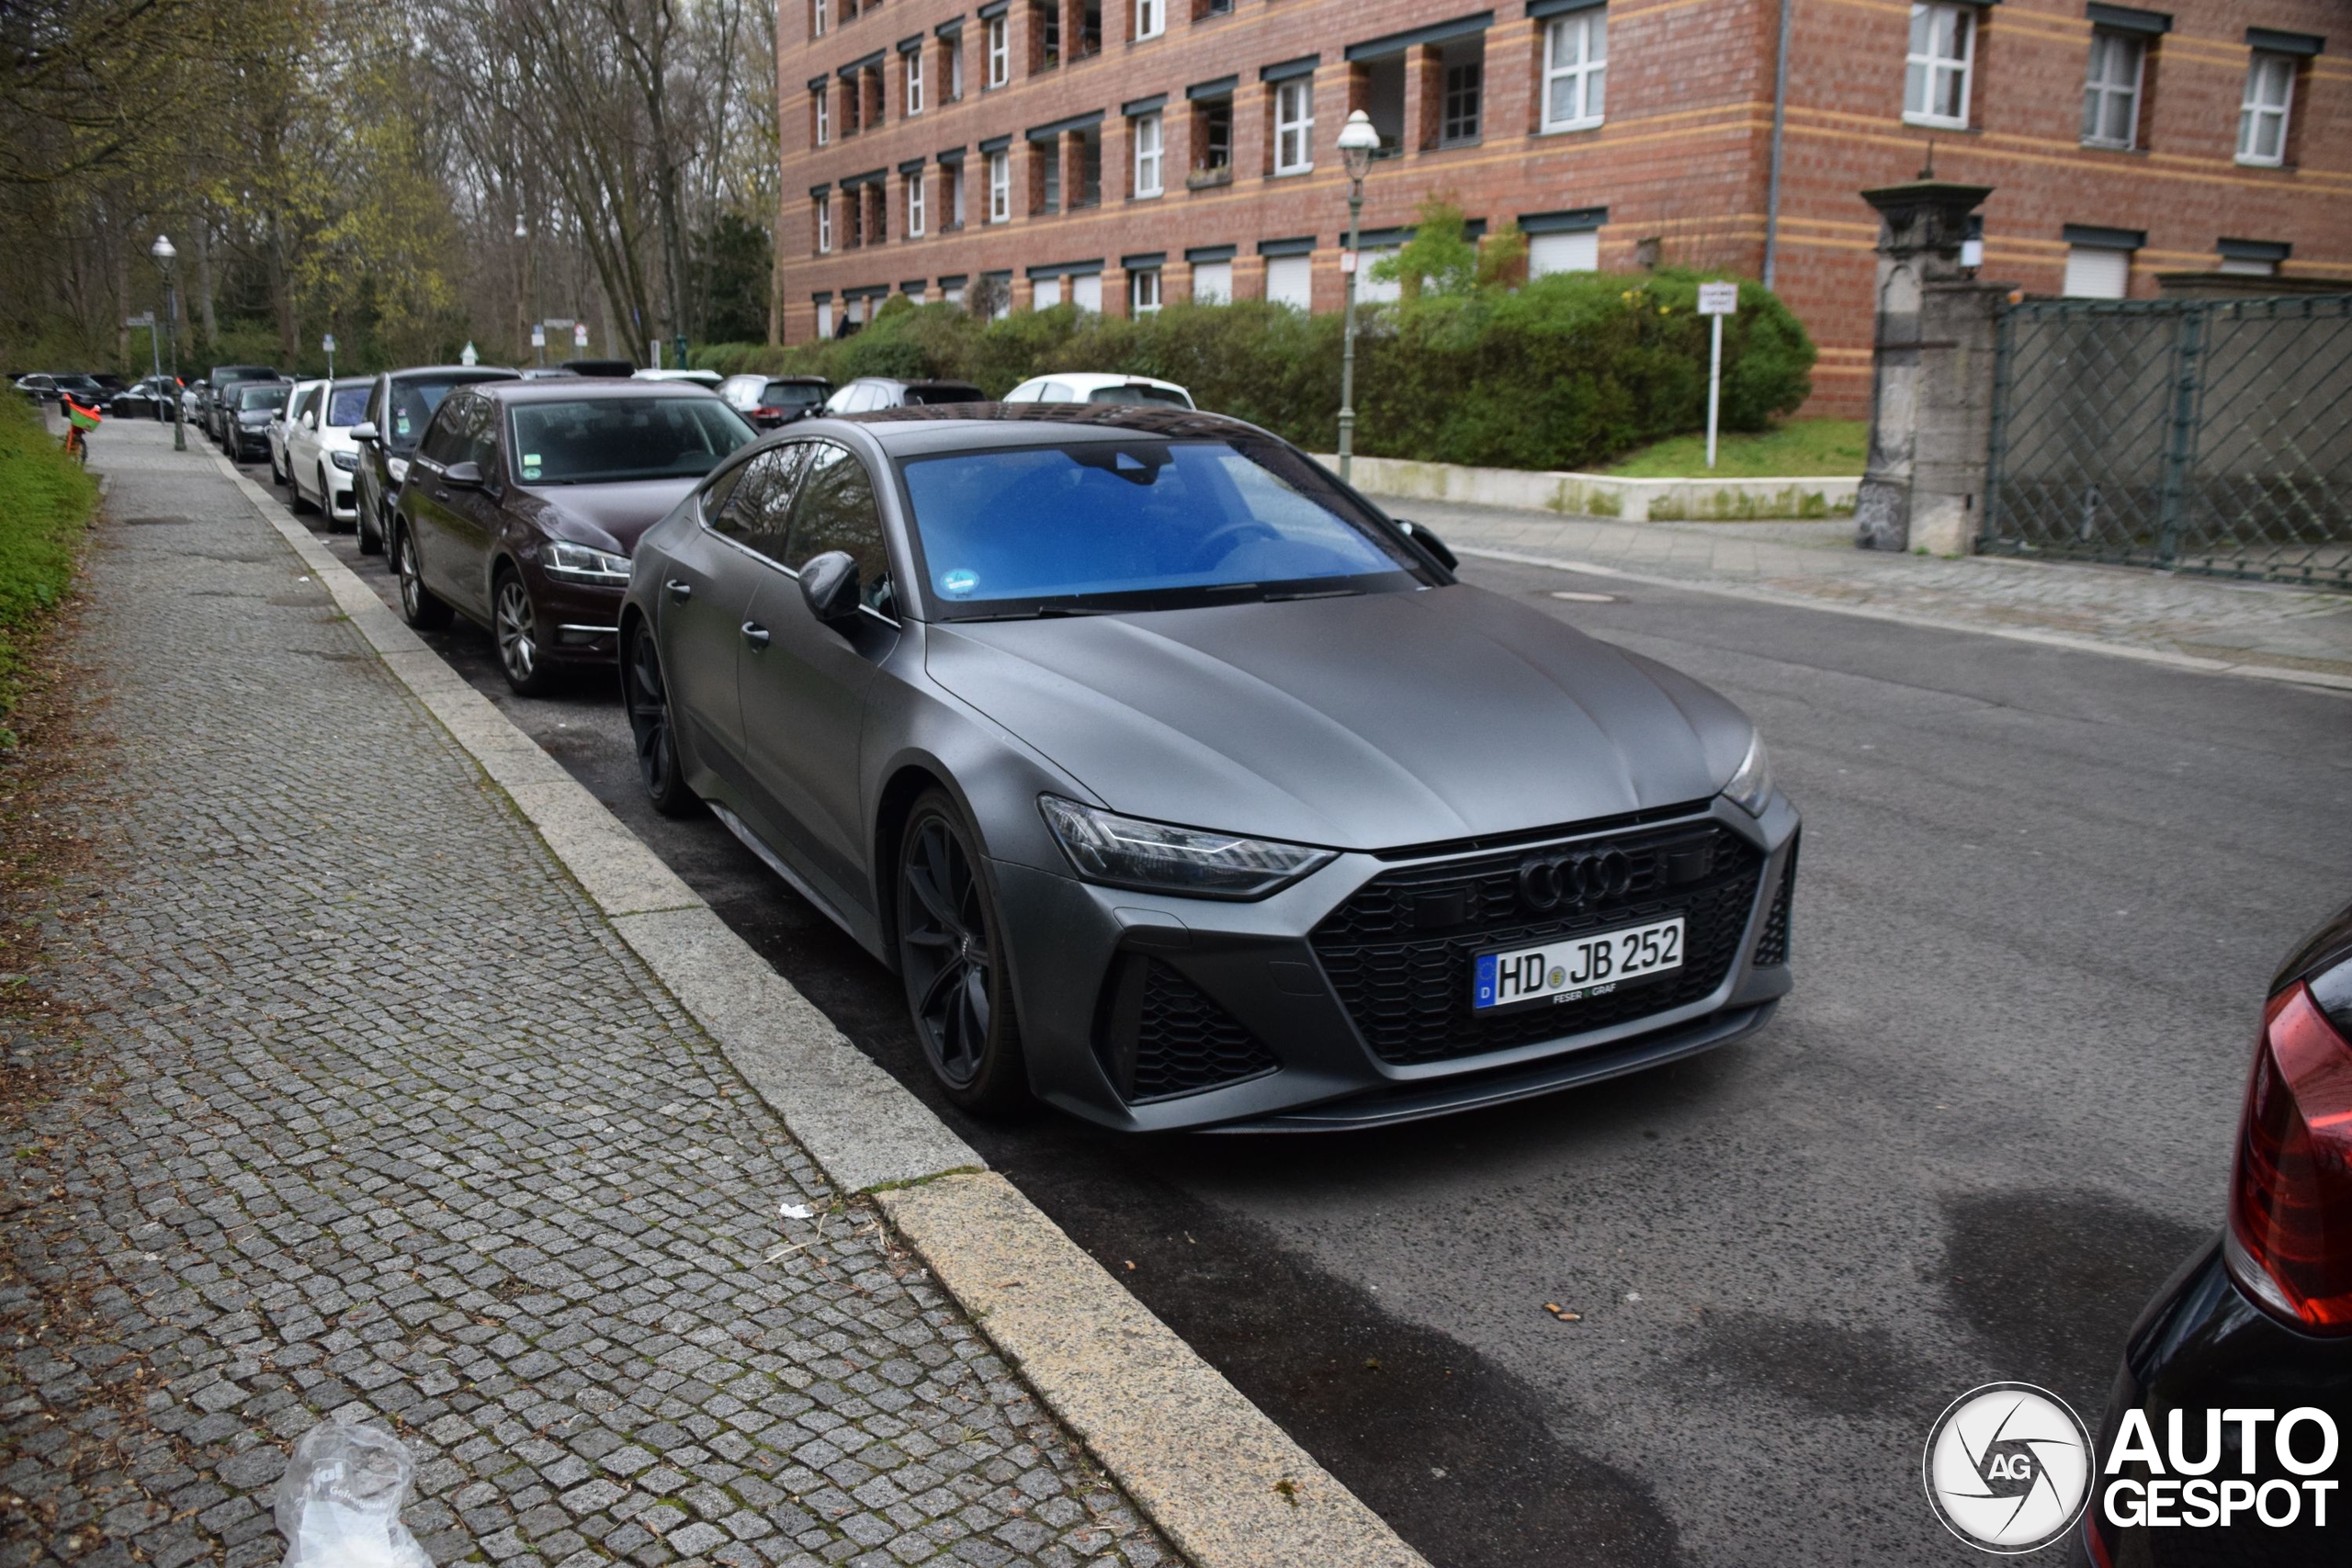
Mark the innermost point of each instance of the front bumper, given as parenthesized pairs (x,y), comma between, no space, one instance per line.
(578,622)
(1304,1011)
(2202,1346)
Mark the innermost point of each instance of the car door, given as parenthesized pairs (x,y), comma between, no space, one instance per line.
(803,689)
(302,436)
(473,519)
(424,500)
(704,601)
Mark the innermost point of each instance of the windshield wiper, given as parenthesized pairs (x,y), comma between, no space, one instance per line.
(1042,613)
(1314,593)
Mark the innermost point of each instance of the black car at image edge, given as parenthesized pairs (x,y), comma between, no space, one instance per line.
(2259,1322)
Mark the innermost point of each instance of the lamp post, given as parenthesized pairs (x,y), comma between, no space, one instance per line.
(165,254)
(1358,142)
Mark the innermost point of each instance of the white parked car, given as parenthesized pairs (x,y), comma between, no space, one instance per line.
(321,457)
(304,392)
(1095,386)
(710,379)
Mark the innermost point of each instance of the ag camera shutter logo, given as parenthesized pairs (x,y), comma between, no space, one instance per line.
(2008,1467)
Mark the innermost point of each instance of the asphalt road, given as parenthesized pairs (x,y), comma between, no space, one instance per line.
(2041,896)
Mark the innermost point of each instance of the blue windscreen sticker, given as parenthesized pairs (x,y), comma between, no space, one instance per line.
(960,582)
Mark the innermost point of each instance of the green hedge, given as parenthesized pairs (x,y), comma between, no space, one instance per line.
(1569,371)
(45,504)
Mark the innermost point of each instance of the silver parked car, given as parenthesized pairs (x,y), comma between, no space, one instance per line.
(1185,788)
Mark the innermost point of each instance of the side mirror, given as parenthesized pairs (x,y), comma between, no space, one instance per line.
(1420,534)
(310,421)
(462,476)
(829,582)
(364,432)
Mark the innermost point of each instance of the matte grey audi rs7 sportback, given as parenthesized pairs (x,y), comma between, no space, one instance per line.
(1185,788)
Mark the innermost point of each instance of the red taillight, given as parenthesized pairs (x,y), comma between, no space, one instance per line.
(767,413)
(2291,1197)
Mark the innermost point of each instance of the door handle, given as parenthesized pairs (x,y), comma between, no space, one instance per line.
(440,495)
(756,634)
(680,589)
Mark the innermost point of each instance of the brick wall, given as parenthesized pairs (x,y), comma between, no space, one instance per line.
(1681,163)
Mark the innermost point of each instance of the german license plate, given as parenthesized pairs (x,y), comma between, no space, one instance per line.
(1570,968)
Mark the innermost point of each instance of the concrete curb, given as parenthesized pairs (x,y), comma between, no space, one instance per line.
(1222,1483)
(2316,678)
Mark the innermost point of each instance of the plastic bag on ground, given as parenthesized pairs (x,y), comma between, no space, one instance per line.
(339,1502)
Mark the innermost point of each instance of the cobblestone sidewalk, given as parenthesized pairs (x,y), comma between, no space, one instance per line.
(373,1116)
(2201,617)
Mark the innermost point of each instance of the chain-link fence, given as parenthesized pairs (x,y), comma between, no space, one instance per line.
(2207,435)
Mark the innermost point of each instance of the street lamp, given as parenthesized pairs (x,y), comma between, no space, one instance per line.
(165,254)
(1358,142)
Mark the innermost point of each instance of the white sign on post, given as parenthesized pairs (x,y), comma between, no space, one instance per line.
(580,335)
(326,344)
(538,337)
(1716,300)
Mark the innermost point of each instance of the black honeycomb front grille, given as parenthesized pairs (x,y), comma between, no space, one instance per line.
(1183,1042)
(1401,949)
(1772,944)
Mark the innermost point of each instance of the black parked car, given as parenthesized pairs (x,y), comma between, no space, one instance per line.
(247,409)
(2249,1347)
(148,398)
(212,403)
(769,401)
(525,499)
(1185,788)
(399,408)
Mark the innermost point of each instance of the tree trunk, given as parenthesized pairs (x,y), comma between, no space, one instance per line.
(206,313)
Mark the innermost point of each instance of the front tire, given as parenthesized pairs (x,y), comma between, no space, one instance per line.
(655,727)
(951,957)
(521,651)
(301,502)
(420,606)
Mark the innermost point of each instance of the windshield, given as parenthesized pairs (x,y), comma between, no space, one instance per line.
(921,392)
(1133,393)
(614,440)
(349,406)
(794,394)
(249,398)
(1136,525)
(413,405)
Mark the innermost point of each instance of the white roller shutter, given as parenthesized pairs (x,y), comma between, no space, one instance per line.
(1563,252)
(1086,291)
(1213,283)
(1290,280)
(1049,293)
(2095,273)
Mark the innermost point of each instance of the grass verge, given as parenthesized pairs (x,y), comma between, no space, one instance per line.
(1801,448)
(46,500)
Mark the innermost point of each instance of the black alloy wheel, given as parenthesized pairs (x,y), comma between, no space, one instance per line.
(522,652)
(420,606)
(951,957)
(655,731)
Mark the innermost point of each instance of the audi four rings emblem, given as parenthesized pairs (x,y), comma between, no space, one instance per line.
(1571,880)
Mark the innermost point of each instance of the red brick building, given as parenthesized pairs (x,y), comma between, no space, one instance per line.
(1124,154)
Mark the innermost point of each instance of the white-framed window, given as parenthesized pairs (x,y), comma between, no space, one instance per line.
(1563,252)
(1294,125)
(816,17)
(1936,72)
(953,48)
(1000,52)
(2094,272)
(1290,280)
(915,204)
(2262,115)
(1213,283)
(1143,291)
(1151,18)
(1147,158)
(2112,90)
(1000,186)
(913,58)
(1576,70)
(824,118)
(824,225)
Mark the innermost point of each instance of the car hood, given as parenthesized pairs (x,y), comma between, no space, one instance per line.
(608,518)
(1368,722)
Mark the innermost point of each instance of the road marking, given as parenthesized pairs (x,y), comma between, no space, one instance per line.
(2313,680)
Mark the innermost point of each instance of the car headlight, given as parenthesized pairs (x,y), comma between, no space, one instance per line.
(347,461)
(1125,852)
(1751,787)
(578,563)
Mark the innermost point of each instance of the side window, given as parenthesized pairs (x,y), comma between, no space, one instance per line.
(716,495)
(445,442)
(755,515)
(836,511)
(481,434)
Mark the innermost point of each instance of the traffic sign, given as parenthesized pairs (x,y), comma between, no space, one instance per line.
(538,337)
(326,344)
(144,318)
(580,335)
(1718,298)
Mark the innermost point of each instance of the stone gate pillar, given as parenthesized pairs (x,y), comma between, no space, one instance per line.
(1931,374)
